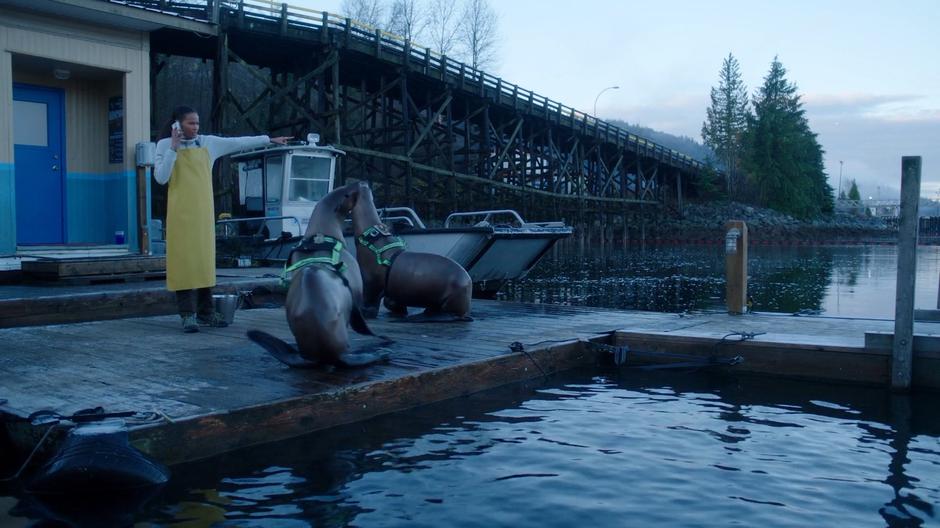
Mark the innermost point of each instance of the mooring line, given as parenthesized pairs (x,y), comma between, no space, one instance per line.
(516,346)
(31,454)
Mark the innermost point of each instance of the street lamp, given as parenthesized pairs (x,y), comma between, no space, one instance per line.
(840,179)
(599,96)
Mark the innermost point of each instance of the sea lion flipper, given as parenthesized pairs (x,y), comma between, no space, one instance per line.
(281,350)
(358,322)
(435,317)
(369,312)
(363,359)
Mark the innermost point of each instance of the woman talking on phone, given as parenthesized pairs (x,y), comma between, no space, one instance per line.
(184,159)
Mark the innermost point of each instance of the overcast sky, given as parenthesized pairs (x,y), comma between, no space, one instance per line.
(868,71)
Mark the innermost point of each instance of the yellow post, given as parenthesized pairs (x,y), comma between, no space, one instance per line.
(736,266)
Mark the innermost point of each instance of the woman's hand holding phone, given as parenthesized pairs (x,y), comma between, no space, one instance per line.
(176,134)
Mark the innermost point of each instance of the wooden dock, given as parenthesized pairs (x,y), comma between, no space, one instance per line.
(216,391)
(42,304)
(95,270)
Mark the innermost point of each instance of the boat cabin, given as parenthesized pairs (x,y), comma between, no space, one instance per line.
(279,186)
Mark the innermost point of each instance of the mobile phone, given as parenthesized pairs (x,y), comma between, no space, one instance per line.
(176,125)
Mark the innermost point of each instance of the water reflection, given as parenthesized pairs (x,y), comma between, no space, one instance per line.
(852,281)
(595,447)
(588,447)
(791,281)
(906,508)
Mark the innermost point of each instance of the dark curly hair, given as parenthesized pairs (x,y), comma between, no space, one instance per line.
(179,113)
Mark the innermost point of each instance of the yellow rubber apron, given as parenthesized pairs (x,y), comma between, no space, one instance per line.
(190,222)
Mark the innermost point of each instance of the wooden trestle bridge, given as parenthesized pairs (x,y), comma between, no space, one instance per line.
(426,130)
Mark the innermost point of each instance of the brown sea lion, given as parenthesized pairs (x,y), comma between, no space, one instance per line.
(324,294)
(405,278)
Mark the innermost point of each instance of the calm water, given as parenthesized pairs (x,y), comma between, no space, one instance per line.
(845,281)
(600,448)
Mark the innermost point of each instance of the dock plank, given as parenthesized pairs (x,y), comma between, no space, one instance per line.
(219,388)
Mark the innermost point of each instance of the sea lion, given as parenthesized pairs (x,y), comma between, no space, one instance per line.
(324,294)
(405,278)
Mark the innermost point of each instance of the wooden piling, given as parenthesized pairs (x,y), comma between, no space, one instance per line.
(907,269)
(143,217)
(736,266)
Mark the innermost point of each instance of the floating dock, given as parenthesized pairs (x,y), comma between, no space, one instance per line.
(44,303)
(198,395)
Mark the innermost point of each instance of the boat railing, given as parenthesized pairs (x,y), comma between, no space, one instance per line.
(229,227)
(487,217)
(399,219)
(401,214)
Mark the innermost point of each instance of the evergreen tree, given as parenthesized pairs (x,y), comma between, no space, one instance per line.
(783,157)
(726,121)
(853,192)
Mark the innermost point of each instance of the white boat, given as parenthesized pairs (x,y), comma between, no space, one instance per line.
(279,186)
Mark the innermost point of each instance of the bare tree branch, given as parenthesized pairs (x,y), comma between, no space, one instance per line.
(478,33)
(365,11)
(443,25)
(407,19)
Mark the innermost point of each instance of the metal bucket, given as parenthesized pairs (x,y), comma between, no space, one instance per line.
(226,304)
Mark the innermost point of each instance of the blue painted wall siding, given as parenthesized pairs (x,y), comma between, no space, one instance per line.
(7,210)
(99,205)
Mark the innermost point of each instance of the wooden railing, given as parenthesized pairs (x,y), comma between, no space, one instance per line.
(390,46)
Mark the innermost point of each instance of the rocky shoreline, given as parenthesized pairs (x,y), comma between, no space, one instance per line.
(704,223)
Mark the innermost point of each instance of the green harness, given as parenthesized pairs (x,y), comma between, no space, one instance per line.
(318,242)
(370,236)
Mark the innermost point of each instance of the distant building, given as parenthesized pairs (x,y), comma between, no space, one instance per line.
(892,208)
(853,207)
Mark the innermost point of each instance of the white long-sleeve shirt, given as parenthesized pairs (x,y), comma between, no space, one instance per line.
(217,147)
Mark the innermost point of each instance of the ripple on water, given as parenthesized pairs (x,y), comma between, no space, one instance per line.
(620,449)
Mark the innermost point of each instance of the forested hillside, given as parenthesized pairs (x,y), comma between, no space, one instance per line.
(683,144)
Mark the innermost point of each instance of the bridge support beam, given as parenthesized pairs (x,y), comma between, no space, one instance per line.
(426,130)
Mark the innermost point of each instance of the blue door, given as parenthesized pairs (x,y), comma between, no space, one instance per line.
(38,162)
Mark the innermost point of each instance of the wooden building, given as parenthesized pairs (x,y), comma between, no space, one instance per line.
(75,81)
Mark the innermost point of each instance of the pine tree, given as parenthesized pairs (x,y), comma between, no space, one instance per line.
(784,159)
(726,121)
(853,192)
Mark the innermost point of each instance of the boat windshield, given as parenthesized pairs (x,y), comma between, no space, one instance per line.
(310,178)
